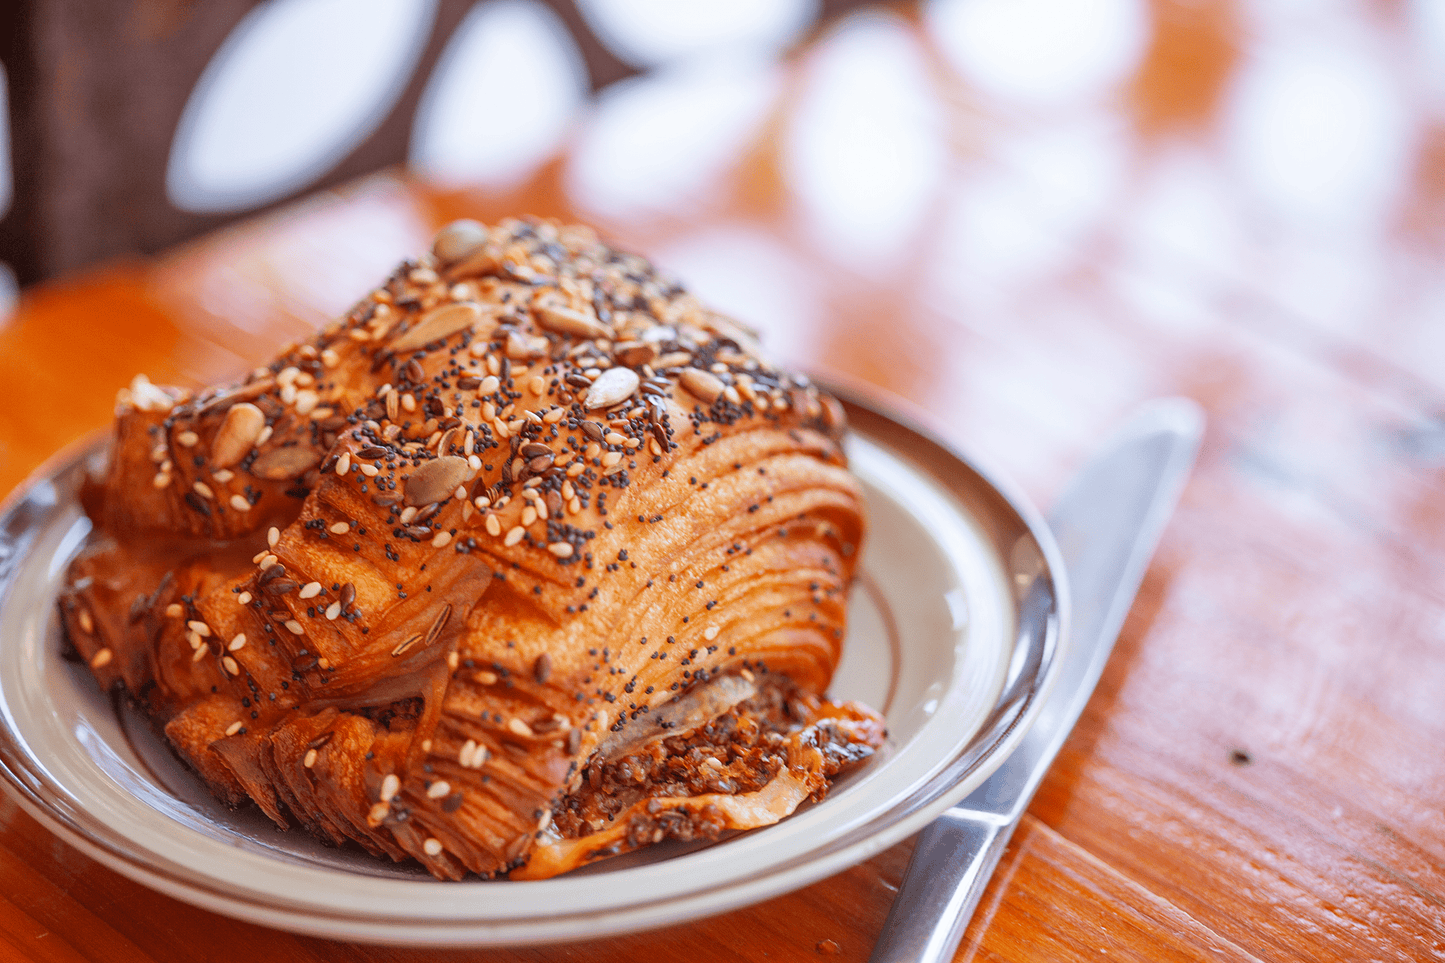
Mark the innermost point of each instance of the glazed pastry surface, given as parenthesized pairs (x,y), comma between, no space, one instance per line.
(529,560)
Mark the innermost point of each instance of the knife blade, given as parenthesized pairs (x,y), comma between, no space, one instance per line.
(1107,524)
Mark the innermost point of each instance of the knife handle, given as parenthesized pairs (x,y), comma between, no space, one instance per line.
(952,862)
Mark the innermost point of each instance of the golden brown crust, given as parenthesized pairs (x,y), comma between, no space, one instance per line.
(521,497)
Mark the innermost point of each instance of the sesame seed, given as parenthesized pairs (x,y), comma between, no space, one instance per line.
(202,489)
(273,536)
(310,590)
(239,503)
(710,633)
(244,598)
(238,643)
(390,786)
(266,561)
(441,539)
(494,526)
(174,610)
(194,640)
(408,513)
(187,439)
(87,623)
(200,628)
(370,471)
(233,728)
(343,464)
(101,659)
(294,627)
(161,480)
(514,536)
(519,727)
(611,458)
(438,789)
(223,476)
(332,611)
(561,549)
(310,759)
(432,846)
(231,665)
(339,528)
(529,515)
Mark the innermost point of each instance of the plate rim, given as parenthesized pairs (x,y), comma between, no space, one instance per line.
(946,787)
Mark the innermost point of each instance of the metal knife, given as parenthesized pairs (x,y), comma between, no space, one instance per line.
(1107,524)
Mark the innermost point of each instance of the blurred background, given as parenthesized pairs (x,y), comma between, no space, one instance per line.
(816,167)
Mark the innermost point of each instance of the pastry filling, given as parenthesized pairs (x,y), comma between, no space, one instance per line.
(769,748)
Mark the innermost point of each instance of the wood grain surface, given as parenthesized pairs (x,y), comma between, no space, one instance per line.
(1247,209)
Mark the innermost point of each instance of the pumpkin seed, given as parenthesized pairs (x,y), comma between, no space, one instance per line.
(612,386)
(703,384)
(442,322)
(281,463)
(435,480)
(457,240)
(238,434)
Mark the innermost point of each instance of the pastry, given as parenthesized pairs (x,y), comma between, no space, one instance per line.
(529,560)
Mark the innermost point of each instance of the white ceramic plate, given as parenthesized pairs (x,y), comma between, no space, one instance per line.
(955,628)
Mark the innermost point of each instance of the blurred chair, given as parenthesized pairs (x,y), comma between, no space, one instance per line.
(98,90)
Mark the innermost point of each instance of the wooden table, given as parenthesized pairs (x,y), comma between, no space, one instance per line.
(1241,206)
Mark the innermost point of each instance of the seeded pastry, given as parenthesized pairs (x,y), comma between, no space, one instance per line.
(529,560)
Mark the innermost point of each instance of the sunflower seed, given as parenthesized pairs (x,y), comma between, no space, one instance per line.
(634,353)
(404,645)
(439,623)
